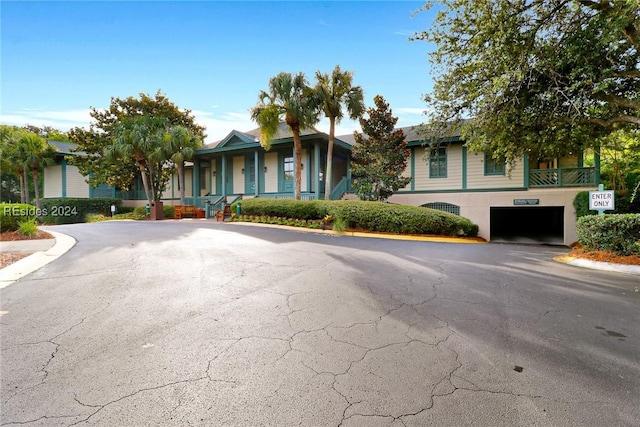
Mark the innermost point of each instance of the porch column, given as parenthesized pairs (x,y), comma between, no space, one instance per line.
(256,167)
(223,178)
(63,171)
(308,162)
(316,165)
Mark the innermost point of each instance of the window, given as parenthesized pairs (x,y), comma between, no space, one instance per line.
(288,168)
(494,166)
(438,162)
(204,181)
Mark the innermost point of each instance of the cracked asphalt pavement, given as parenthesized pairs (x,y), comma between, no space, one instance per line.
(187,323)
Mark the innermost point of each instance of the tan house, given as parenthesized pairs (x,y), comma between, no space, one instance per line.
(533,201)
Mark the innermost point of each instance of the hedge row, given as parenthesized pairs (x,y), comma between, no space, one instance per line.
(618,233)
(12,214)
(69,211)
(369,216)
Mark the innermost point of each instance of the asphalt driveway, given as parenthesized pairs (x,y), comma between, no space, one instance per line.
(197,323)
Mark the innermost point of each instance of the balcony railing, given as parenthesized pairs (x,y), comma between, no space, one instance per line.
(565,177)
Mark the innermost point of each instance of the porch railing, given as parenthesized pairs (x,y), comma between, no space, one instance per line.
(303,196)
(564,177)
(340,188)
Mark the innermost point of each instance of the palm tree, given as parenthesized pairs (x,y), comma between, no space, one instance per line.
(139,138)
(180,145)
(291,98)
(27,151)
(334,92)
(38,155)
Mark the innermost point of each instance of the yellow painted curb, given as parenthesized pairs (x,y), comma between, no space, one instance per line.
(440,239)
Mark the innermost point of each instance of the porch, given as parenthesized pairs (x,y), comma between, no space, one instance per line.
(562,177)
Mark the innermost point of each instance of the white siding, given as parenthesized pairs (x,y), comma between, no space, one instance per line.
(53,181)
(453,180)
(477,179)
(188,182)
(271,177)
(238,177)
(76,185)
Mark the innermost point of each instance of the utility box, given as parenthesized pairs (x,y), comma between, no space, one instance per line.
(156,211)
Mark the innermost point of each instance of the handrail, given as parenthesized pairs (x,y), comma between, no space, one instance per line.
(339,190)
(562,177)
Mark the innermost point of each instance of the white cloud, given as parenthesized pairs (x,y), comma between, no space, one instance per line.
(61,120)
(407,111)
(220,124)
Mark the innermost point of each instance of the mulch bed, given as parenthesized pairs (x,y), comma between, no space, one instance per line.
(604,256)
(10,236)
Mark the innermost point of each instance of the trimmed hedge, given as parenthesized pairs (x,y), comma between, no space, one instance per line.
(12,214)
(369,216)
(618,233)
(70,211)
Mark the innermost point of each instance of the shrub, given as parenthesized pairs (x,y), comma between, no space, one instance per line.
(581,204)
(369,216)
(168,211)
(12,214)
(314,209)
(385,217)
(28,227)
(618,233)
(69,211)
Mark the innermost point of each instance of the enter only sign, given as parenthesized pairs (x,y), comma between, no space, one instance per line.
(601,200)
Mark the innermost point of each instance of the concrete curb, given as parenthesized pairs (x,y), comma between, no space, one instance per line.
(598,265)
(31,263)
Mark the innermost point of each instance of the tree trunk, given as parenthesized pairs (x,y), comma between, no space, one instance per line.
(36,186)
(22,184)
(145,182)
(328,173)
(26,185)
(298,150)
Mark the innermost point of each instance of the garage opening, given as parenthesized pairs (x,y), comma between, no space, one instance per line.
(541,224)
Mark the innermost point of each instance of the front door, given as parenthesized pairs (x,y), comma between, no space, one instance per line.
(249,175)
(288,174)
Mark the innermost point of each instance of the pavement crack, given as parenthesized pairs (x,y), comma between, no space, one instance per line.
(101,407)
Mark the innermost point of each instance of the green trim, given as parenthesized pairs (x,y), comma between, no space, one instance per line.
(460,190)
(64,177)
(413,169)
(423,143)
(464,167)
(307,171)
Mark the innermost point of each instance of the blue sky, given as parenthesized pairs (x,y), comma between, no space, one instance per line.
(58,58)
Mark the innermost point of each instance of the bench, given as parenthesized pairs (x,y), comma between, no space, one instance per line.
(182,211)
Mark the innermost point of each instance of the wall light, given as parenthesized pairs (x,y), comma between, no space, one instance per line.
(213,173)
(265,169)
(242,171)
(301,166)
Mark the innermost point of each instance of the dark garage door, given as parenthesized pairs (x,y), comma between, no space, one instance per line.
(542,224)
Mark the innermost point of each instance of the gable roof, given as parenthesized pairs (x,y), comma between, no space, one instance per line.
(237,140)
(64,148)
(414,136)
